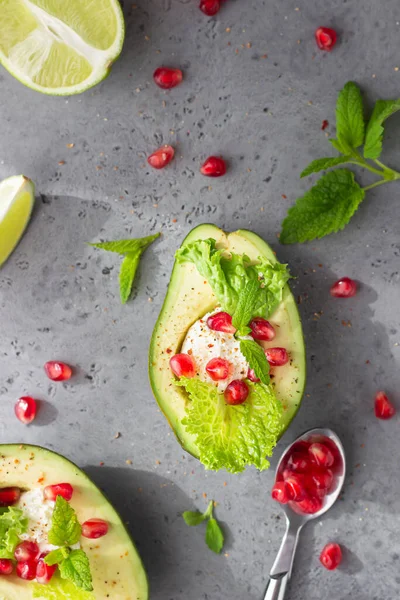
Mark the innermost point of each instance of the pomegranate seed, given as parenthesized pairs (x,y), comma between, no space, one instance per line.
(210,7)
(167,78)
(214,166)
(236,392)
(384,409)
(221,321)
(161,157)
(26,552)
(280,492)
(300,462)
(218,369)
(9,496)
(344,288)
(321,479)
(44,572)
(252,376)
(295,485)
(310,505)
(94,528)
(321,455)
(261,329)
(25,409)
(324,125)
(26,570)
(277,357)
(326,38)
(331,556)
(6,566)
(57,371)
(182,365)
(59,489)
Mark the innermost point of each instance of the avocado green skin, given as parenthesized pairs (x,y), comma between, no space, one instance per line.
(264,250)
(70,469)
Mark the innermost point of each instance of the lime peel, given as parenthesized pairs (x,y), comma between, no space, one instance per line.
(17,196)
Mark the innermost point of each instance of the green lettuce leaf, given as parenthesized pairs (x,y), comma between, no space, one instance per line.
(229,275)
(60,589)
(232,437)
(12,525)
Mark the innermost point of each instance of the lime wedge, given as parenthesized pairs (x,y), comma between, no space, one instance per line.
(60,47)
(17,195)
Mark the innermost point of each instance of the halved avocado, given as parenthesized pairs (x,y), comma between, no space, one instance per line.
(116,567)
(190,297)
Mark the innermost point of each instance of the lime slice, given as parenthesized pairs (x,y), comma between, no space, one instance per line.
(17,195)
(60,47)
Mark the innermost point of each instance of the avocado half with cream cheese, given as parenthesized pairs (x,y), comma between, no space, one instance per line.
(188,299)
(116,568)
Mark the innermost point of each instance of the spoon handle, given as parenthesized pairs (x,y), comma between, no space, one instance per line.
(284,561)
(276,588)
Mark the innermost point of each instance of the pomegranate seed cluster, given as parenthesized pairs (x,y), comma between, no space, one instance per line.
(230,369)
(307,475)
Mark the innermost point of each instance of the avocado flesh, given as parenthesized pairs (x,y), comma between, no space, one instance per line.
(116,567)
(189,298)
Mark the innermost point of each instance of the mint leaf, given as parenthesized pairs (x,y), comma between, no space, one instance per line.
(374,137)
(325,208)
(76,568)
(350,125)
(124,246)
(127,275)
(321,164)
(65,528)
(133,250)
(247,304)
(193,518)
(256,358)
(214,536)
(56,557)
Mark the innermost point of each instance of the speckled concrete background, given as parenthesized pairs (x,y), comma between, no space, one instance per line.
(59,297)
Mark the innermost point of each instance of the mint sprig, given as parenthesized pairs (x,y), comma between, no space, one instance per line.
(65,531)
(246,307)
(329,205)
(214,534)
(255,356)
(132,250)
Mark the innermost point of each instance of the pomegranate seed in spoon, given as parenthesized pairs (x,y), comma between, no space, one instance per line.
(210,7)
(182,365)
(214,166)
(280,492)
(167,78)
(94,528)
(326,38)
(25,409)
(161,157)
(331,556)
(321,454)
(384,409)
(57,371)
(344,288)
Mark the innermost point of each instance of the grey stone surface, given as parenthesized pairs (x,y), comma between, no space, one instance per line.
(59,297)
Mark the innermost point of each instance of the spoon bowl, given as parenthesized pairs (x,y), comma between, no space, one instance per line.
(295,520)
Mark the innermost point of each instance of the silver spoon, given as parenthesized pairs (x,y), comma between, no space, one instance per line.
(282,568)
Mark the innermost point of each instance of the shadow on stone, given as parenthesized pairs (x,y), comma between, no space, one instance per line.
(177,560)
